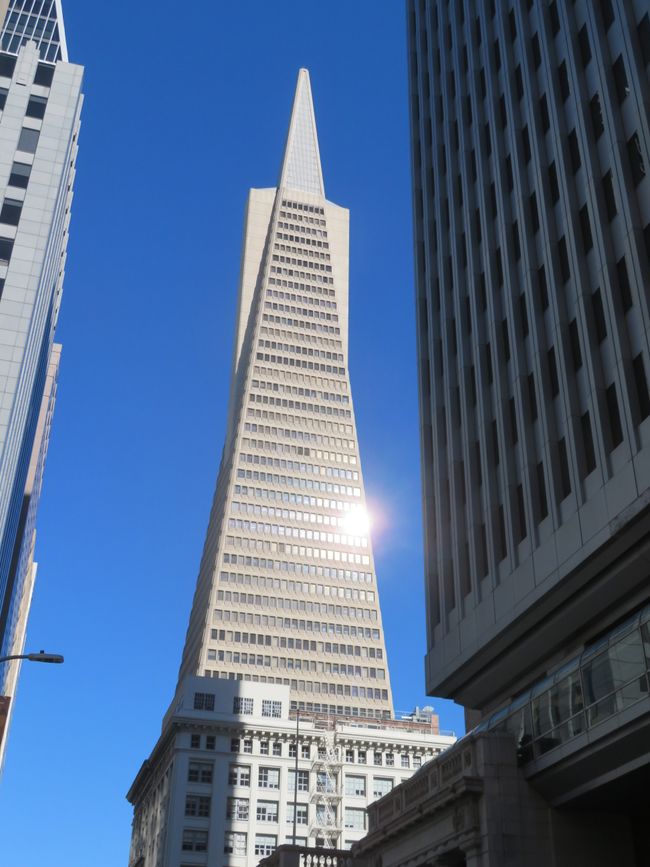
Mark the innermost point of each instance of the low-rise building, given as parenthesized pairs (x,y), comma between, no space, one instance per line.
(234,775)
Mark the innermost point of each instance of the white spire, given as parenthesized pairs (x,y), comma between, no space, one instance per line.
(301,169)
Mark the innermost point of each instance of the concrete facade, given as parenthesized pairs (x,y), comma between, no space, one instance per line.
(40,104)
(218,787)
(531,188)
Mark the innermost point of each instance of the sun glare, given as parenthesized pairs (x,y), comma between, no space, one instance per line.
(357,521)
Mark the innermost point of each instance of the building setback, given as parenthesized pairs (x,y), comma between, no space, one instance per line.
(40,105)
(286,615)
(530,148)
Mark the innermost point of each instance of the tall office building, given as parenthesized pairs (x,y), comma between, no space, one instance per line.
(288,548)
(530,150)
(40,104)
(286,615)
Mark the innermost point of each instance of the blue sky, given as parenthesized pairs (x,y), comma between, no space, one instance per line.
(187,107)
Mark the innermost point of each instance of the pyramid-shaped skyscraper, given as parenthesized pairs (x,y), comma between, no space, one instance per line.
(287,591)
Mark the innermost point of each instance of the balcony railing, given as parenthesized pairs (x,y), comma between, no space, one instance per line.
(302,856)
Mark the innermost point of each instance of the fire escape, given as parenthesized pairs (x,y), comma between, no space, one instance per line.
(326,796)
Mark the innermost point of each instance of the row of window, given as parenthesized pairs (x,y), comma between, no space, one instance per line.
(289,514)
(300,421)
(294,482)
(299,466)
(322,328)
(292,433)
(262,545)
(302,287)
(317,687)
(294,362)
(293,587)
(285,584)
(293,335)
(298,239)
(302,391)
(243,524)
(297,350)
(334,669)
(300,251)
(265,640)
(44,72)
(301,263)
(286,623)
(303,230)
(301,605)
(287,403)
(301,275)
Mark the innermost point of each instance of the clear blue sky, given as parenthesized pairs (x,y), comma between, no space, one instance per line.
(187,106)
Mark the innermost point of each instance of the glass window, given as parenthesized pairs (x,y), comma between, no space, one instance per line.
(36,107)
(268,778)
(44,75)
(234,843)
(200,772)
(381,786)
(237,808)
(28,140)
(10,213)
(615,678)
(203,701)
(265,844)
(19,176)
(239,775)
(355,785)
(242,705)
(194,840)
(7,65)
(197,805)
(267,811)
(354,818)
(301,816)
(303,781)
(271,708)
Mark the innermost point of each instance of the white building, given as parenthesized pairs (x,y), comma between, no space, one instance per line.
(40,107)
(219,786)
(286,616)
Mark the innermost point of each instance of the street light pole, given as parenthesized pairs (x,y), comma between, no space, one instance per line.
(295,788)
(41,656)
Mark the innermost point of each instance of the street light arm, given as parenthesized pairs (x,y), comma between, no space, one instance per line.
(41,656)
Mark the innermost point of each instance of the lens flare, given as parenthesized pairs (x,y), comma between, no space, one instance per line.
(357,521)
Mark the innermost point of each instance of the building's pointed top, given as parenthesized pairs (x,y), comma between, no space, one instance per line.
(41,23)
(301,169)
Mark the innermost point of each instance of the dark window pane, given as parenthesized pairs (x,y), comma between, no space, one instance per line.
(3,96)
(534,214)
(641,383)
(554,18)
(523,315)
(635,156)
(28,140)
(512,412)
(19,176)
(44,75)
(552,373)
(600,326)
(614,416)
(6,246)
(10,212)
(574,338)
(624,291)
(610,198)
(643,31)
(563,466)
(563,258)
(36,106)
(537,54)
(542,288)
(521,514)
(583,45)
(596,116)
(525,144)
(532,397)
(519,82)
(574,151)
(620,78)
(606,13)
(543,114)
(553,184)
(541,492)
(585,229)
(563,82)
(506,340)
(588,444)
(7,65)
